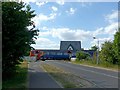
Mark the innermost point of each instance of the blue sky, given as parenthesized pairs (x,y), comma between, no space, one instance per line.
(74,21)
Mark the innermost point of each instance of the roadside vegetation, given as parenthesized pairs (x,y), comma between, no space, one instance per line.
(66,79)
(109,55)
(16,17)
(85,59)
(93,63)
(17,40)
(20,80)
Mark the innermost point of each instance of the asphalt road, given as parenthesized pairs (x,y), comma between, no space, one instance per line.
(101,77)
(38,78)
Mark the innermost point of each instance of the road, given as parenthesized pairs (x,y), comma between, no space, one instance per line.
(101,77)
(38,78)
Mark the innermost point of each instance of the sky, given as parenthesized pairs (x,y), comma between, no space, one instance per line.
(74,21)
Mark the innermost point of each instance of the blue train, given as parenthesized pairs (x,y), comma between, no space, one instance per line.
(57,54)
(54,57)
(53,54)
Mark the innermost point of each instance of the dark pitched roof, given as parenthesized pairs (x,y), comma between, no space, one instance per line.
(75,45)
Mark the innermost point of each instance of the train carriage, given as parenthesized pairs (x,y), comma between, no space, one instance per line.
(51,54)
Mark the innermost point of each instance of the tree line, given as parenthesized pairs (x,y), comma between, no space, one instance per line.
(109,53)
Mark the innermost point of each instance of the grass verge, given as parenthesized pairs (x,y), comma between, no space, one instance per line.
(66,79)
(93,63)
(20,79)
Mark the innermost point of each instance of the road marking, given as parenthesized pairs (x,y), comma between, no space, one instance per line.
(97,67)
(91,71)
(100,73)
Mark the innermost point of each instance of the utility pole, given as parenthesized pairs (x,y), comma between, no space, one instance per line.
(97,62)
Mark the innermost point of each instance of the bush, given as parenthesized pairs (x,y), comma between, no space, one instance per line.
(16,17)
(82,55)
(107,53)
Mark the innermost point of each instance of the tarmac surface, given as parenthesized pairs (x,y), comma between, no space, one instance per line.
(38,78)
(102,78)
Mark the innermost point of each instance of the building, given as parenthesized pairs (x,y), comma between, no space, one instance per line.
(70,45)
(67,50)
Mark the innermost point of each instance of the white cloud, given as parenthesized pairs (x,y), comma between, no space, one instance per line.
(67,34)
(41,17)
(60,2)
(28,1)
(82,35)
(52,16)
(54,8)
(71,11)
(85,4)
(44,28)
(111,29)
(61,34)
(45,43)
(101,41)
(113,17)
(78,34)
(41,3)
(44,34)
(98,31)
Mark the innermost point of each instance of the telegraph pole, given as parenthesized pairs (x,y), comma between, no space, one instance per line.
(97,62)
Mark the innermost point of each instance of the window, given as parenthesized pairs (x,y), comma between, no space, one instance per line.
(47,53)
(65,53)
(52,53)
(59,53)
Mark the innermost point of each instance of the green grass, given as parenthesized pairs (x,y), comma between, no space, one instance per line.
(20,79)
(59,76)
(66,79)
(93,63)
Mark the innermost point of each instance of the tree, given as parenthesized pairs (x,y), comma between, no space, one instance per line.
(94,48)
(95,52)
(17,38)
(82,48)
(82,55)
(107,53)
(116,45)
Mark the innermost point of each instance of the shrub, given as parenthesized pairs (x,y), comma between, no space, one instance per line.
(82,55)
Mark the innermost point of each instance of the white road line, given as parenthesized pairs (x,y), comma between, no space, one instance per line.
(93,71)
(100,73)
(97,67)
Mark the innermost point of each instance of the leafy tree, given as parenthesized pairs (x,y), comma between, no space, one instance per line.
(110,51)
(107,53)
(17,38)
(116,45)
(94,48)
(95,55)
(82,48)
(95,52)
(82,55)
